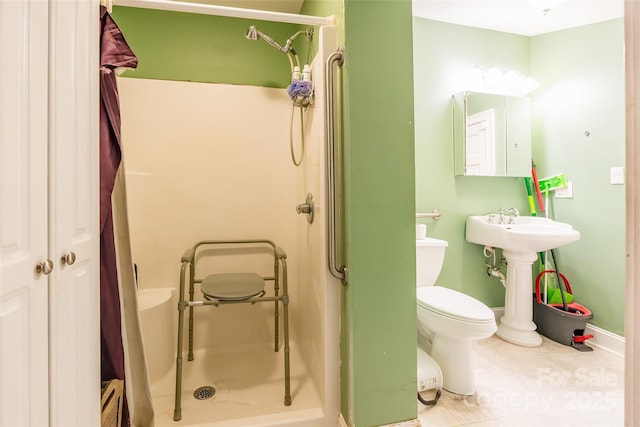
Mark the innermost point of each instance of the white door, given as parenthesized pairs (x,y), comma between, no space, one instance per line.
(49,319)
(480,144)
(74,310)
(23,203)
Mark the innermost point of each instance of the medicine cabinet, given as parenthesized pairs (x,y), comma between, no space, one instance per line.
(492,134)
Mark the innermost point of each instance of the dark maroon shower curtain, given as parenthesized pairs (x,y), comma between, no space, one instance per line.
(114,53)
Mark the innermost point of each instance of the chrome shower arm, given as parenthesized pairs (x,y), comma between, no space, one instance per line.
(287,46)
(254,34)
(272,42)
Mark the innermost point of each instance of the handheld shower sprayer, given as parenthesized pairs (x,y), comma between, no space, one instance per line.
(301,88)
(254,34)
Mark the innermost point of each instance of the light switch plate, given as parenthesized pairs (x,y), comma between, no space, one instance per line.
(617,175)
(564,192)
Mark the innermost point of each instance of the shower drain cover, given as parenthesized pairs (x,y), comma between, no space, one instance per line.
(205,392)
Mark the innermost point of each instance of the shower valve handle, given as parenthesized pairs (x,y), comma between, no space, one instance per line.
(304,208)
(307,208)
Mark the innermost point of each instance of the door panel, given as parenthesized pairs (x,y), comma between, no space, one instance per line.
(480,151)
(73,204)
(23,223)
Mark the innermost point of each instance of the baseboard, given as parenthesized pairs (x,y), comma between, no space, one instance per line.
(410,423)
(602,338)
(605,340)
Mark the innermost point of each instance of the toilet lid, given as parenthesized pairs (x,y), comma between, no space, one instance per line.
(450,303)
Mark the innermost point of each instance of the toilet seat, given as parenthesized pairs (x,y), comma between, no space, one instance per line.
(454,305)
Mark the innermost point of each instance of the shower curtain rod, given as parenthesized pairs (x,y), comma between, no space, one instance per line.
(233,12)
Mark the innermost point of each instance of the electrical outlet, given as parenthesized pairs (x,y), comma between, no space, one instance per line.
(564,192)
(617,175)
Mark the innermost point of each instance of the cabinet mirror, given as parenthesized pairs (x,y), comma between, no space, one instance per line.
(492,134)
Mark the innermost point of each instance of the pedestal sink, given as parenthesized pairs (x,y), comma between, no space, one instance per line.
(520,238)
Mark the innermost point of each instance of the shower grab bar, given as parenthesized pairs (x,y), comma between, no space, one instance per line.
(435,215)
(336,269)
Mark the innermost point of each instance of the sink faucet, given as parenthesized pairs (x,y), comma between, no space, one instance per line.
(502,212)
(504,216)
(512,214)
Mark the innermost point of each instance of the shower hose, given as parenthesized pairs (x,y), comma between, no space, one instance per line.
(297,162)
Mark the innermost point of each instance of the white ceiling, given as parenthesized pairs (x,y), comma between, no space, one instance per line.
(518,16)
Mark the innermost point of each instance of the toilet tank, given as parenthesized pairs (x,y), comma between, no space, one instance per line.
(429,260)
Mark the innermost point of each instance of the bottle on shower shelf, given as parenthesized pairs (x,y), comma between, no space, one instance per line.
(295,76)
(306,72)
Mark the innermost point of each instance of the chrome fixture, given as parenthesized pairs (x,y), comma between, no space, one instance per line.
(307,208)
(435,215)
(512,214)
(504,216)
(204,392)
(287,46)
(254,34)
(336,267)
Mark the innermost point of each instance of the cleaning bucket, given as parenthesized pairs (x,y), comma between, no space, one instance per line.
(563,326)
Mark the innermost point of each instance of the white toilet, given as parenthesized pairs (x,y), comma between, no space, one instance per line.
(448,320)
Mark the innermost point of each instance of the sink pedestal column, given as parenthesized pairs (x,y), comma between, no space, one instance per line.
(516,326)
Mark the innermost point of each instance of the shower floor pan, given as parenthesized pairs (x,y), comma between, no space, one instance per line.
(249,390)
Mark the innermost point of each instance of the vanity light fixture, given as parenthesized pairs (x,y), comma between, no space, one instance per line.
(500,81)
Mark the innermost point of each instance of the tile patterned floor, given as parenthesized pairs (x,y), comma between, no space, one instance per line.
(550,385)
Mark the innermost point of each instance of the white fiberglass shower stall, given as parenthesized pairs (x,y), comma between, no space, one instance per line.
(212,161)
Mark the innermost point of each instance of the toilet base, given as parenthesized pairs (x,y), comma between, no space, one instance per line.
(455,358)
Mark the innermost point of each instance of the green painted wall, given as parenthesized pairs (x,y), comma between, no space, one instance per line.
(380,304)
(581,76)
(581,73)
(204,48)
(444,55)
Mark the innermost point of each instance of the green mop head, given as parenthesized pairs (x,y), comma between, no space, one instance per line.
(553,182)
(554,297)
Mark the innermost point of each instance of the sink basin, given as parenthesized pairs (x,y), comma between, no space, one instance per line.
(520,243)
(526,234)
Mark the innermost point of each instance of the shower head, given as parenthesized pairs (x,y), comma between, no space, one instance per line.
(254,34)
